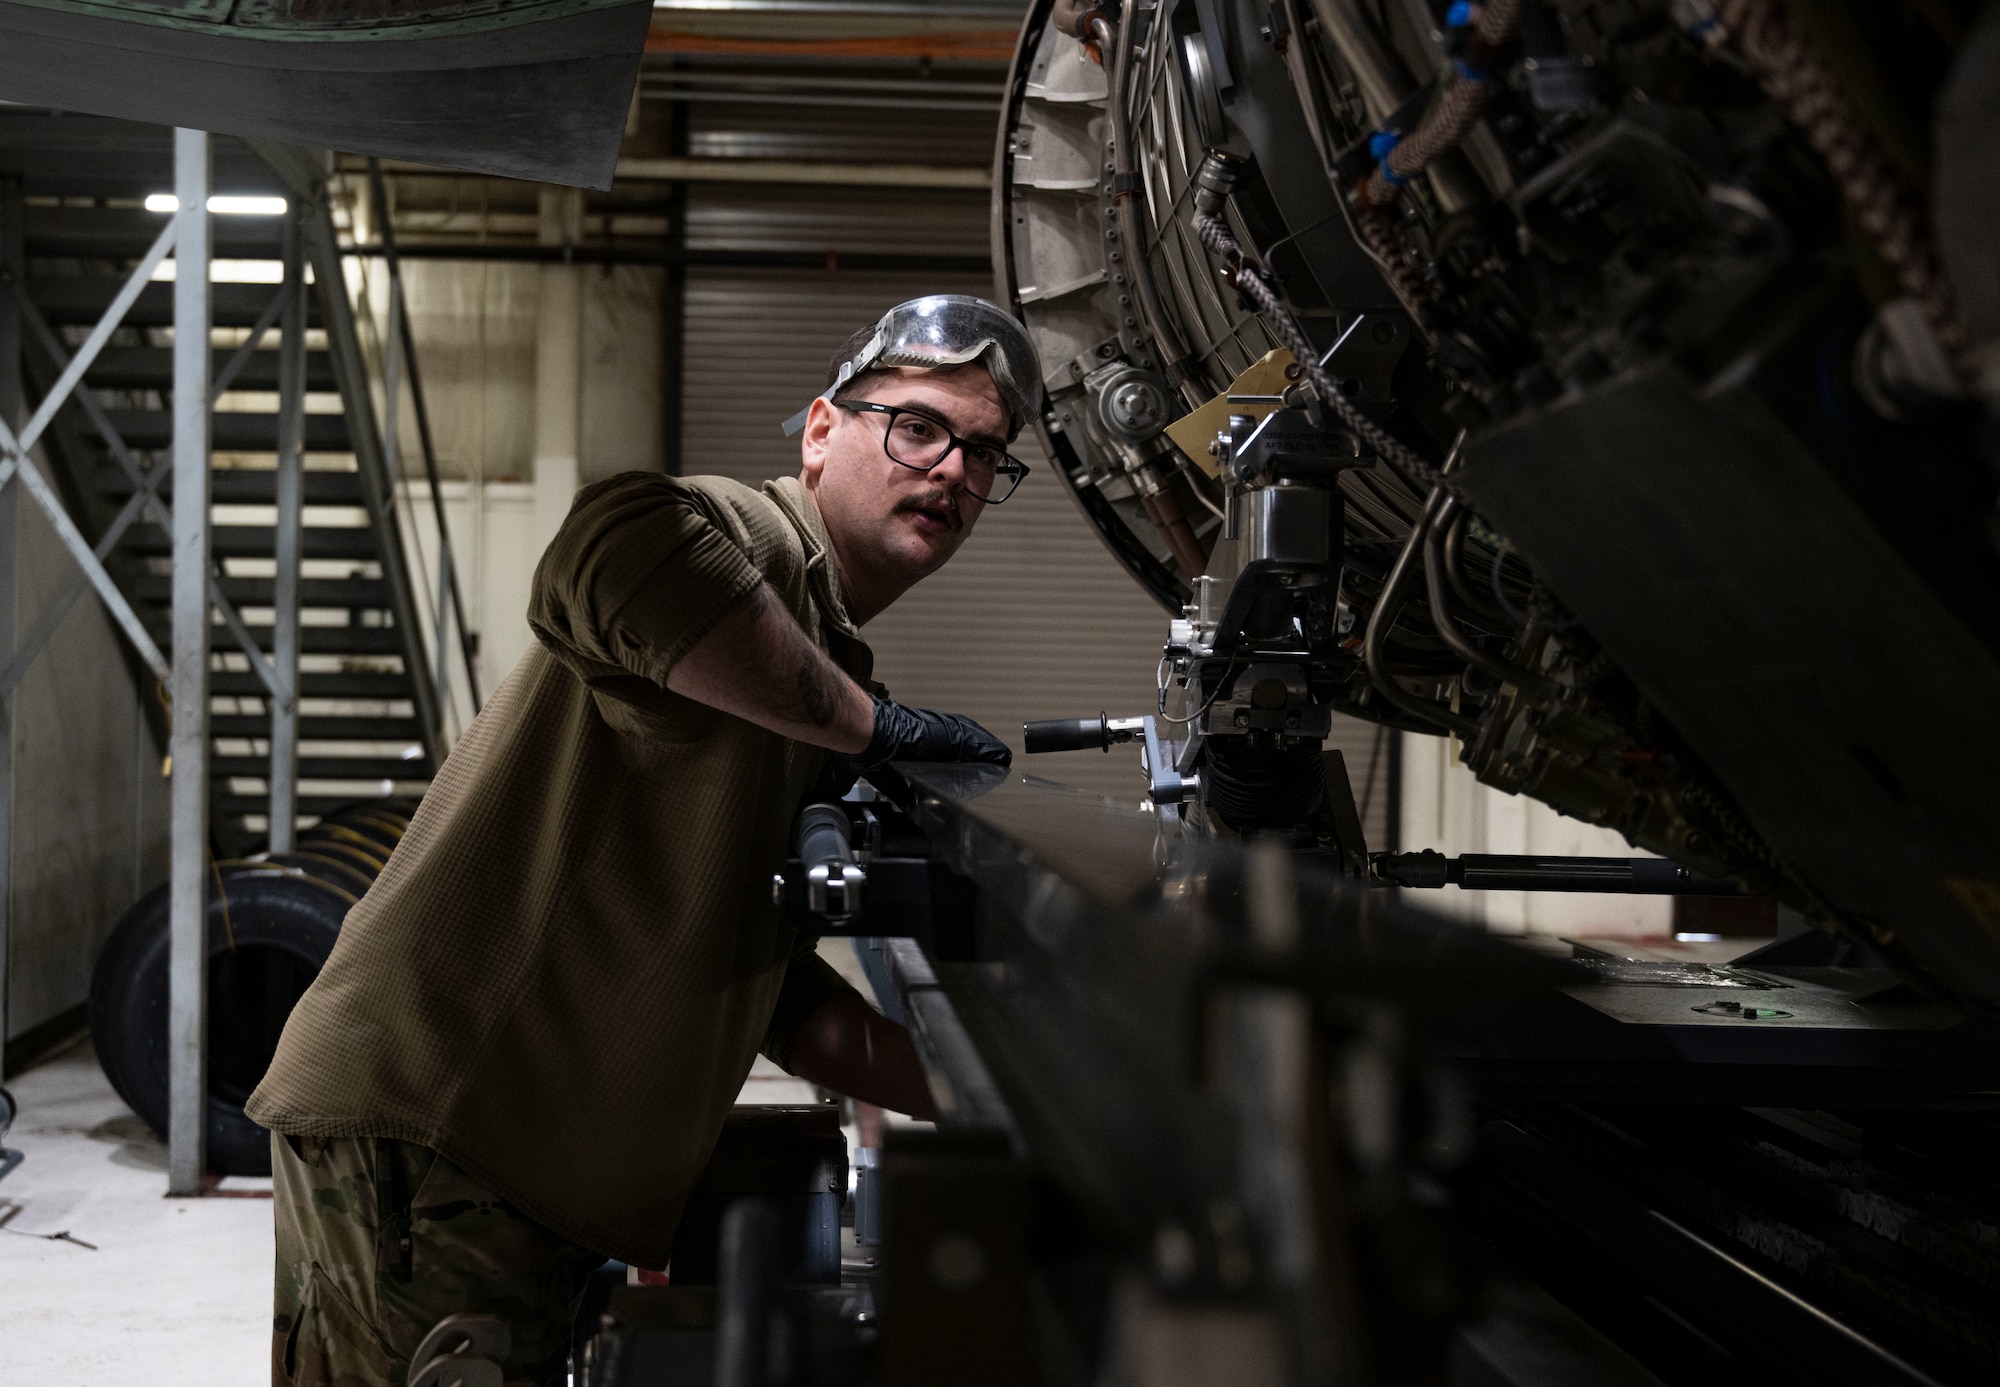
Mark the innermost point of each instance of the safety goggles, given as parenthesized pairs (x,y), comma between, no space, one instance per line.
(949,330)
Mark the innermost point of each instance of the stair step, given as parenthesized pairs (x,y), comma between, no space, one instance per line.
(84,298)
(309,806)
(256,542)
(244,683)
(325,767)
(320,729)
(248,486)
(313,640)
(228,432)
(355,594)
(125,233)
(152,368)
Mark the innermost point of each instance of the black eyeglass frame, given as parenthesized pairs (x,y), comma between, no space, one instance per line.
(1007,459)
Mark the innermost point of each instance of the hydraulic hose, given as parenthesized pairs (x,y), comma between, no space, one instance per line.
(1452,116)
(1454,572)
(1388,607)
(1504,670)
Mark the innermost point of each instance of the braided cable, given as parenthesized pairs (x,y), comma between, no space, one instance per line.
(1452,116)
(1890,211)
(1443,126)
(1217,238)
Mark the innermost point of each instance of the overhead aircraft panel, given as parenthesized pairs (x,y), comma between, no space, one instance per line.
(533,89)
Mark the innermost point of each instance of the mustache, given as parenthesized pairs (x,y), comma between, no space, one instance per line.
(938,500)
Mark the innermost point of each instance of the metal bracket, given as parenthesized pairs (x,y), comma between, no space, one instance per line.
(835,897)
(907,898)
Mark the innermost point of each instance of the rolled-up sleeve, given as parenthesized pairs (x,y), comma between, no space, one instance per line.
(642,569)
(810,983)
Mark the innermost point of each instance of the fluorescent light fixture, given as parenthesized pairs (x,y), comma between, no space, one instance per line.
(222,205)
(230,272)
(1698,938)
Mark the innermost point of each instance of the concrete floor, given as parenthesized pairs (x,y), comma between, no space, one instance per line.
(177,1292)
(174,1292)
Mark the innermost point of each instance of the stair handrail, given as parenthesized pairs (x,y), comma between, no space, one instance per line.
(350,370)
(405,340)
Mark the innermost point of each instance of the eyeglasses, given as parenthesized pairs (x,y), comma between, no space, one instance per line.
(920,443)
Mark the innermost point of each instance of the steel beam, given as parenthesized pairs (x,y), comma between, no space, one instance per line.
(187,1007)
(144,500)
(10,415)
(284,773)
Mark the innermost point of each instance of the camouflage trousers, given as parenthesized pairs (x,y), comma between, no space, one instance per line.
(378,1240)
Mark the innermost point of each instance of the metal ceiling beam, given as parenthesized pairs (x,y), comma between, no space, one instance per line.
(805,172)
(719,259)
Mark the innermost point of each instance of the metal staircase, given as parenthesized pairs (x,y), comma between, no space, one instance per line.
(368,721)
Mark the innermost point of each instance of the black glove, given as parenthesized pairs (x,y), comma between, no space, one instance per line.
(917,734)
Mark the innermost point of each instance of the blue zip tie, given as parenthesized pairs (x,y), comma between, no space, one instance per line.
(1459,16)
(1379,145)
(1468,73)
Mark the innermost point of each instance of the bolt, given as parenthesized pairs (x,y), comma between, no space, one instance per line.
(1242,717)
(1384,330)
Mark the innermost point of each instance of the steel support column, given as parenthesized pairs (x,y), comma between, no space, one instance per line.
(11,267)
(187,1009)
(673,305)
(284,701)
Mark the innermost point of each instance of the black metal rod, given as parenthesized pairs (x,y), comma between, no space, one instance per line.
(447,562)
(1632,876)
(825,835)
(746,1269)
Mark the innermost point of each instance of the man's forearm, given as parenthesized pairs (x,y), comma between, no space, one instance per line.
(759,664)
(850,1048)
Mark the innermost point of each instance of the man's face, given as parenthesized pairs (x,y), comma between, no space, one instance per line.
(891,525)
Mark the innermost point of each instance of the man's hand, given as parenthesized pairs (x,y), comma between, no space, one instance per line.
(917,734)
(759,664)
(850,1048)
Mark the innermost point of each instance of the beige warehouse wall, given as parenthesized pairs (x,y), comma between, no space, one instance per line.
(89,807)
(475,327)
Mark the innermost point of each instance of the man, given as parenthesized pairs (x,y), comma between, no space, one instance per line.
(521,1051)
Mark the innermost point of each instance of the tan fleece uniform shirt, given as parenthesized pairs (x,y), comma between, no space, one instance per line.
(563,974)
